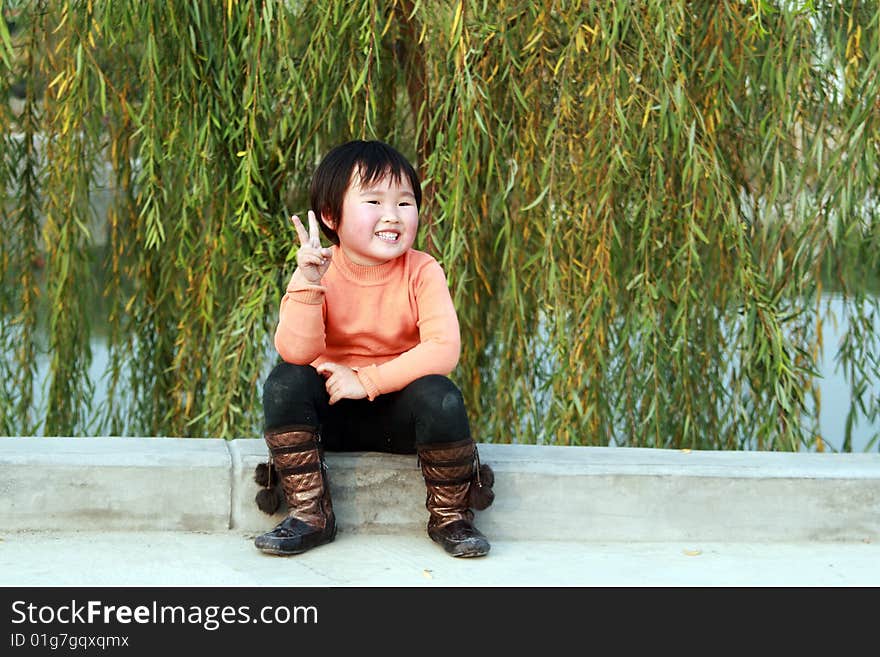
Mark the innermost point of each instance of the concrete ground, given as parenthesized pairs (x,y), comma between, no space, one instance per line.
(229,559)
(180,512)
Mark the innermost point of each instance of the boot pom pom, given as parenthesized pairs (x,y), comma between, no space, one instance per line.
(268,500)
(487,475)
(264,475)
(482,495)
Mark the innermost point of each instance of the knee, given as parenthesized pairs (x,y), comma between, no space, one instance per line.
(287,382)
(438,398)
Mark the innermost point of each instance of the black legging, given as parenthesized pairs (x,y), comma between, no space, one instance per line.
(428,410)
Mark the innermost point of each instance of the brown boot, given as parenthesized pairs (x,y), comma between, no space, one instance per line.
(450,470)
(297,456)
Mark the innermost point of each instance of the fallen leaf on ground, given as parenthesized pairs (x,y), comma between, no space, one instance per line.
(693,553)
(427,573)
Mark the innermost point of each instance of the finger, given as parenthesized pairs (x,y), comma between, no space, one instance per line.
(314,230)
(311,259)
(326,369)
(300,231)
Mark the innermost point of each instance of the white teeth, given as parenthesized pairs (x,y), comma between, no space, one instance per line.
(387,236)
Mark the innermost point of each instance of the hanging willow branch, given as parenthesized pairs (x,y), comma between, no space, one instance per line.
(642,207)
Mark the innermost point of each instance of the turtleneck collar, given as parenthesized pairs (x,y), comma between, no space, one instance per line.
(369,274)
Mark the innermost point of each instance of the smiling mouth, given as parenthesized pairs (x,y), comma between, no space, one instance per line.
(388,236)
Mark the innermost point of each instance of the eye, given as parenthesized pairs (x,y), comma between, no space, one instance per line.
(373,202)
(405,203)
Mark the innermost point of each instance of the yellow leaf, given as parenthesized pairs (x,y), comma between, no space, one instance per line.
(693,553)
(455,21)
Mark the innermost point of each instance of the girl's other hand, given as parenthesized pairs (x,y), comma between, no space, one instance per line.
(312,260)
(342,382)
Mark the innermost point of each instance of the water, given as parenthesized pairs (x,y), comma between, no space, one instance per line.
(833,385)
(835,389)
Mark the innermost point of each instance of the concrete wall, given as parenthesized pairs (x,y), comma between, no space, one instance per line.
(548,492)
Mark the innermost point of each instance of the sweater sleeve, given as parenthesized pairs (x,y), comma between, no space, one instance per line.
(439,338)
(300,335)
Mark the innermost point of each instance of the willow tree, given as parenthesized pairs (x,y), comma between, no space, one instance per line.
(640,205)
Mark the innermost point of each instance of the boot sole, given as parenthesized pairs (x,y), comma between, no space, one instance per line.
(279,552)
(285,553)
(470,555)
(467,554)
(464,552)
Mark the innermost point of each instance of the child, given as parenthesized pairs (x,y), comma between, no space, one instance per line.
(367,332)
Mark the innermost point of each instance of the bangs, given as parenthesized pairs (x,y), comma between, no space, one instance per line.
(370,174)
(376,160)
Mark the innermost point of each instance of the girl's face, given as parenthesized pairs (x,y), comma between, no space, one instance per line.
(379,221)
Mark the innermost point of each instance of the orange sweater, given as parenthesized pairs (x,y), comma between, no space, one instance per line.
(391,323)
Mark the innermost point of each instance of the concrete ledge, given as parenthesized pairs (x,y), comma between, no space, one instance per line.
(560,493)
(371,492)
(114,483)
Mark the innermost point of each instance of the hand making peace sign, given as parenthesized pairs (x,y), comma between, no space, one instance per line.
(312,259)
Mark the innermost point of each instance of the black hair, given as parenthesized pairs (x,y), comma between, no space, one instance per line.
(373,160)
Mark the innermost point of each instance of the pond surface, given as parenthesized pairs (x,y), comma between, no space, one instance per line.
(833,385)
(835,389)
